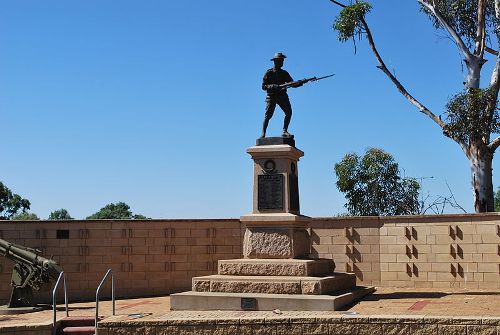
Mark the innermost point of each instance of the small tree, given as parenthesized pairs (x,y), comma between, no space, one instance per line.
(60,214)
(471,116)
(120,210)
(373,186)
(10,203)
(25,216)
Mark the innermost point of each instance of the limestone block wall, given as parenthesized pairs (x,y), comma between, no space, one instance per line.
(353,243)
(150,257)
(444,251)
(156,257)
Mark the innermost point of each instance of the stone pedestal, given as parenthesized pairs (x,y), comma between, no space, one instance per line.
(275,228)
(275,271)
(275,179)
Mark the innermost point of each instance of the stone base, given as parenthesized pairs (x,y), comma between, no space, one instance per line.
(276,242)
(279,235)
(206,301)
(275,284)
(276,267)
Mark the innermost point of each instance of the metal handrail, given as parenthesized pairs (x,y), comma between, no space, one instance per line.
(97,296)
(54,291)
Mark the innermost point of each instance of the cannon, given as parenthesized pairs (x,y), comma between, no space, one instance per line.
(30,272)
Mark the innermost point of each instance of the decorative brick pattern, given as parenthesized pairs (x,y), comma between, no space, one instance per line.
(445,251)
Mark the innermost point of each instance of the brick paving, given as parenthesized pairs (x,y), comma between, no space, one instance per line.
(385,301)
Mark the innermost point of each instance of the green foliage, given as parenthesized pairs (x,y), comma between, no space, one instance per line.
(10,203)
(467,116)
(347,23)
(60,214)
(25,216)
(373,186)
(462,16)
(140,217)
(120,210)
(497,200)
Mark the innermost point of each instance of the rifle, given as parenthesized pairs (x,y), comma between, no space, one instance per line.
(302,81)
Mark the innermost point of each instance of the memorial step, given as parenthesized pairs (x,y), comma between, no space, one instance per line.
(77,321)
(275,284)
(205,301)
(276,267)
(90,330)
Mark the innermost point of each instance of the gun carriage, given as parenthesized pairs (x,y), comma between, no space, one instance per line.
(30,272)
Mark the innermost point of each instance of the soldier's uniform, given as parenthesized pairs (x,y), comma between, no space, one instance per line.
(275,95)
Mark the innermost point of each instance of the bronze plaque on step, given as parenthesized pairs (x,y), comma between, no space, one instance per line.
(248,304)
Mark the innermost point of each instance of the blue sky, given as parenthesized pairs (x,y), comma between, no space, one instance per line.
(154,102)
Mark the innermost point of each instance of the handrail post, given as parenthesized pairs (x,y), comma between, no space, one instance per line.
(113,293)
(65,296)
(54,291)
(109,271)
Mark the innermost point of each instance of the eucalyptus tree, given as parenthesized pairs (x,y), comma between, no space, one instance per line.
(471,115)
(11,204)
(373,185)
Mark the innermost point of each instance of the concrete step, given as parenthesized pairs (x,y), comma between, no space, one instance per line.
(78,321)
(276,267)
(204,301)
(274,284)
(79,330)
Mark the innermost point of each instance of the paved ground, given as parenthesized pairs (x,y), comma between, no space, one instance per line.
(385,301)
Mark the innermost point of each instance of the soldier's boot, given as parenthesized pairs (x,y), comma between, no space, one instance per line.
(288,117)
(264,128)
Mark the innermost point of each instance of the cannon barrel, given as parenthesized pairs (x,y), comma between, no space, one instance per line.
(29,256)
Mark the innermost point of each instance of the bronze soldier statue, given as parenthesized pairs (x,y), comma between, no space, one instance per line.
(273,82)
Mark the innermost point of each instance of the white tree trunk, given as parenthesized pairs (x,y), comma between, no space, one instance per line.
(474,66)
(480,159)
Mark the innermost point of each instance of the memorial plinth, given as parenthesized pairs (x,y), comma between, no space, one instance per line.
(275,179)
(275,228)
(275,271)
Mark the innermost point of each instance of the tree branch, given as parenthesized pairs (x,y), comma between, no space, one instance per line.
(456,37)
(491,51)
(495,79)
(396,82)
(494,144)
(338,3)
(401,88)
(494,82)
(481,29)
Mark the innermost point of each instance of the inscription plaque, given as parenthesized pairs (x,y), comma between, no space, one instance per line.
(270,191)
(248,304)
